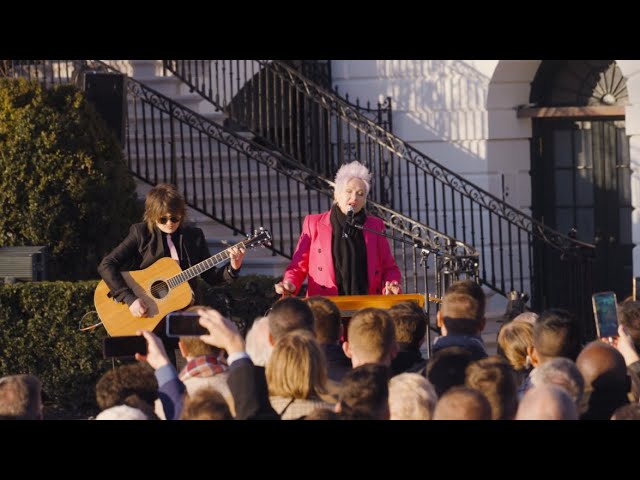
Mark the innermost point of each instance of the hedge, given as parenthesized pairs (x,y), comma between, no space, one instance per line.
(64,182)
(39,333)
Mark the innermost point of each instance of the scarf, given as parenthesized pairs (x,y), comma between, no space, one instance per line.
(203,366)
(349,254)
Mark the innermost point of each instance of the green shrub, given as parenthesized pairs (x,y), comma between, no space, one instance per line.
(243,300)
(64,180)
(39,334)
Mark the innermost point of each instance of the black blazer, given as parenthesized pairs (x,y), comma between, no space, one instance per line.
(140,249)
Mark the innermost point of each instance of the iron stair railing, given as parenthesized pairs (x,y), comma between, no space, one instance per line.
(321,130)
(242,185)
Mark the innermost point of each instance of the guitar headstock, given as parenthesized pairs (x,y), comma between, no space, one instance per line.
(260,237)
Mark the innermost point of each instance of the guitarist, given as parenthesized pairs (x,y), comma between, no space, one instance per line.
(162,234)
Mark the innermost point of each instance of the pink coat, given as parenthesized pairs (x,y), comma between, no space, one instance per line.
(313,257)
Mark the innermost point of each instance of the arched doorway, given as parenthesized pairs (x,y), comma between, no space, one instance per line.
(580,164)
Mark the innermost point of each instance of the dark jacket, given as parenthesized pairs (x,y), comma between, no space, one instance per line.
(408,360)
(338,364)
(473,343)
(141,249)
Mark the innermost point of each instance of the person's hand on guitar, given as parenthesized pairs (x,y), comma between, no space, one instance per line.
(236,254)
(138,308)
(285,288)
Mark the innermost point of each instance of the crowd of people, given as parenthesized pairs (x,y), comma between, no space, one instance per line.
(302,361)
(304,371)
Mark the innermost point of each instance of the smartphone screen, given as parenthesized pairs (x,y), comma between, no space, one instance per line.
(185,324)
(606,313)
(124,347)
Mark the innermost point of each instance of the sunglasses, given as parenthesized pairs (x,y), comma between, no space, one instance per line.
(163,220)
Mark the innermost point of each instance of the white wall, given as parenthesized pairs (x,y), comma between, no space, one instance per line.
(462,113)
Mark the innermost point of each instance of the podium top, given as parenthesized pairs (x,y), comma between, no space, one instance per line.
(350,304)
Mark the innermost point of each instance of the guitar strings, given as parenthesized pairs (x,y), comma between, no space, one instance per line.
(155,289)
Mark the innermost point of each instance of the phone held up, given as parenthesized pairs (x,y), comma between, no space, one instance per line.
(606,313)
(124,347)
(185,324)
(636,286)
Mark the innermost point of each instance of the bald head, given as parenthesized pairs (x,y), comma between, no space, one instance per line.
(547,402)
(462,403)
(602,366)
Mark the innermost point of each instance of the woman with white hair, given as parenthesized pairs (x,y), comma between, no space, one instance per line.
(339,259)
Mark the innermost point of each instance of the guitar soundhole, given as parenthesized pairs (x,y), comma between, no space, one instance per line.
(159,289)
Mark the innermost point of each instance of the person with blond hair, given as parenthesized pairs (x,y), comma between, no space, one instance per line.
(337,258)
(515,339)
(297,376)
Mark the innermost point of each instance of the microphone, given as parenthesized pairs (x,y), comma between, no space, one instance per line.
(348,222)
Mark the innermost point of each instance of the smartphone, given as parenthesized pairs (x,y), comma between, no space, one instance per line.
(636,285)
(605,309)
(124,347)
(185,324)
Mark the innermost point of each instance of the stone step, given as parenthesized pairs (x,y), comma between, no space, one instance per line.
(156,123)
(192,101)
(189,145)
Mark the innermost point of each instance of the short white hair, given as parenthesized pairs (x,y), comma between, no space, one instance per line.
(257,342)
(411,397)
(122,412)
(352,170)
(563,373)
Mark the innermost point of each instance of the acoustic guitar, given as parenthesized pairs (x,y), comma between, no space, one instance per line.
(163,287)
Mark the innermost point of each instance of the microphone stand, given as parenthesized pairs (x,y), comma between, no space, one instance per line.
(424,251)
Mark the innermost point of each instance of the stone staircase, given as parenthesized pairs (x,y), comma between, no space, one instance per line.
(258,261)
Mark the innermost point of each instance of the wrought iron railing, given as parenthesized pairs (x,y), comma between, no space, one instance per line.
(242,185)
(321,130)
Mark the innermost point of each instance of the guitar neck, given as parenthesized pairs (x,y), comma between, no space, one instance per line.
(201,267)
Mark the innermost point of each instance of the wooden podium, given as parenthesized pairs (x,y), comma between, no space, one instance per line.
(350,304)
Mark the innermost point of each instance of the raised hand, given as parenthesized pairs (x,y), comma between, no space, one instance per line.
(223,333)
(156,354)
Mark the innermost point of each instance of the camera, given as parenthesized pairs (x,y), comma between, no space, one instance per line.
(124,347)
(606,313)
(185,324)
